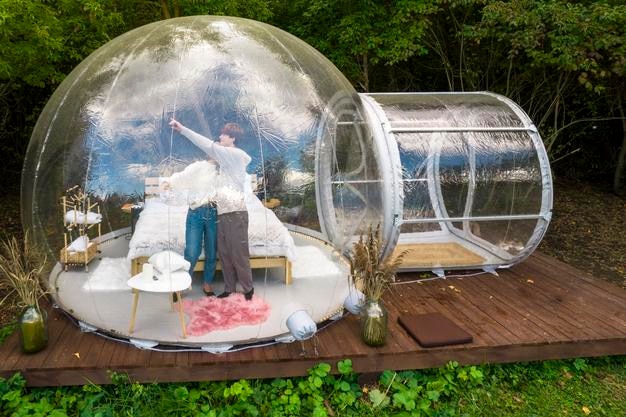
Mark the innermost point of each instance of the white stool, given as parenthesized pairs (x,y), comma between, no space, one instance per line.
(174,283)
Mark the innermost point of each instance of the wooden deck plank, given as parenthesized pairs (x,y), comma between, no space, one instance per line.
(562,324)
(538,258)
(105,353)
(523,304)
(461,314)
(584,297)
(474,316)
(12,354)
(562,313)
(328,345)
(407,305)
(165,359)
(514,322)
(557,298)
(182,359)
(91,357)
(57,324)
(402,341)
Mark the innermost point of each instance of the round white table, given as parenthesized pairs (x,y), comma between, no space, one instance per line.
(174,282)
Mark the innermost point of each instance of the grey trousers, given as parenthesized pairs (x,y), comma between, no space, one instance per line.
(233,250)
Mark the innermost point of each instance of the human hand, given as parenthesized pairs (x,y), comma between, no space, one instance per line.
(176,125)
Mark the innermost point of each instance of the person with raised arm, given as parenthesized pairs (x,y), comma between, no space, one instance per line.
(232,215)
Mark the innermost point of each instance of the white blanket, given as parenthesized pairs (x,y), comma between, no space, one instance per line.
(162,227)
(110,274)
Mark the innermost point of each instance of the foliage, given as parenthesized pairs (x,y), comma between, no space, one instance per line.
(22,265)
(359,34)
(563,57)
(573,387)
(367,271)
(563,61)
(6,331)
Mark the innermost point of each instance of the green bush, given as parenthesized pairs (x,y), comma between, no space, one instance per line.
(574,387)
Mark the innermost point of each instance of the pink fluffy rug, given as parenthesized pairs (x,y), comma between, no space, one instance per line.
(208,314)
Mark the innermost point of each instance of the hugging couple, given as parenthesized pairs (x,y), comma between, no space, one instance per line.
(217,215)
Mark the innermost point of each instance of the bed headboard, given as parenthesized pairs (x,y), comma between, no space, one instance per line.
(151,187)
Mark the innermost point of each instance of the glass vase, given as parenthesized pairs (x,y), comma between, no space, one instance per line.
(33,329)
(373,323)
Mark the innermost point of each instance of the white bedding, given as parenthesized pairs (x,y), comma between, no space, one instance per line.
(162,227)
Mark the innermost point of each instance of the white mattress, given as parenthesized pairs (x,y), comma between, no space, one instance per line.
(162,227)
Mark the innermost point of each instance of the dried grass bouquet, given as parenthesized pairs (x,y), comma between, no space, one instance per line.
(22,266)
(368,272)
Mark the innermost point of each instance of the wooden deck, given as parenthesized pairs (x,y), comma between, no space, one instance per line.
(540,309)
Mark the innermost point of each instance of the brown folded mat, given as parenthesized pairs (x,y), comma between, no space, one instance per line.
(434,329)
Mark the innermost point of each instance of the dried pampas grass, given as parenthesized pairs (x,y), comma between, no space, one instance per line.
(21,268)
(368,272)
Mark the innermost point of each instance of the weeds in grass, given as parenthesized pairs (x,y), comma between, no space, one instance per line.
(574,387)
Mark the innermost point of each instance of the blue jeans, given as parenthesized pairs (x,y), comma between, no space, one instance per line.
(201,227)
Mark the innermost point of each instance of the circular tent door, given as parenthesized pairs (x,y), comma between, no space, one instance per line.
(471,181)
(351,180)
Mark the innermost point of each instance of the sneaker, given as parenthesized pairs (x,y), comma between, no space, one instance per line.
(224,294)
(249,294)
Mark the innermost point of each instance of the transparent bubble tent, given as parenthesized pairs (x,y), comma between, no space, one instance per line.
(460,180)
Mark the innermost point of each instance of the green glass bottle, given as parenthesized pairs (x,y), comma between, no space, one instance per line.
(373,323)
(33,328)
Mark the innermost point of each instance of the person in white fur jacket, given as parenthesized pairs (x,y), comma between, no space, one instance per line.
(232,228)
(199,182)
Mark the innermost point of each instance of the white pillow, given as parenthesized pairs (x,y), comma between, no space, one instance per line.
(79,217)
(168,261)
(79,245)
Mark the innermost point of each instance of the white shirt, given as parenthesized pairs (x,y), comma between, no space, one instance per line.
(233,163)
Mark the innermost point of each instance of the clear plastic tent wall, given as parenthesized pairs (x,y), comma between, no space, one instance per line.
(106,132)
(470,177)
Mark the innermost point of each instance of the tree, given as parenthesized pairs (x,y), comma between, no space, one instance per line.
(254,9)
(355,35)
(566,63)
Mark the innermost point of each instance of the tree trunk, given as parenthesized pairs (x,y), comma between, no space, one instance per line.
(165,10)
(621,158)
(366,75)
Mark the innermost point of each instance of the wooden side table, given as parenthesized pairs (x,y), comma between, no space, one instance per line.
(174,283)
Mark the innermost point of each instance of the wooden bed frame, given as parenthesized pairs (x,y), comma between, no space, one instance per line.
(256,262)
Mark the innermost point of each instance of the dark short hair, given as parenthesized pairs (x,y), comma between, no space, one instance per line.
(233,130)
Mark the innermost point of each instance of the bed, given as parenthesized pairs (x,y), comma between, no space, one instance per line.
(161,226)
